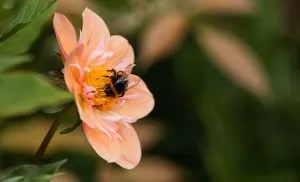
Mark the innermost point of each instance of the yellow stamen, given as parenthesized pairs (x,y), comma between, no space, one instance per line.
(98,78)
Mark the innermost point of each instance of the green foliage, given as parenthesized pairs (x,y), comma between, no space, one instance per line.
(31,173)
(25,92)
(22,30)
(8,62)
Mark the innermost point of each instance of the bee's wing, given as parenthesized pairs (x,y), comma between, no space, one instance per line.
(129,68)
(133,81)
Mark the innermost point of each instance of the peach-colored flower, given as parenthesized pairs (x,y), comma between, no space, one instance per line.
(97,70)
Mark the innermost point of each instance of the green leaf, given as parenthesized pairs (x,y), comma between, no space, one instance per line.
(23,29)
(7,62)
(30,10)
(31,173)
(15,179)
(23,93)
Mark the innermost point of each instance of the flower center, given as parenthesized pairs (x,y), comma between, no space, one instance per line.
(99,80)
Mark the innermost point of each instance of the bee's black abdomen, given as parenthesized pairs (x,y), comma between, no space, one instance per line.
(121,86)
(109,91)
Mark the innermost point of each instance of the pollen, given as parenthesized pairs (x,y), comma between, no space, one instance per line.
(99,77)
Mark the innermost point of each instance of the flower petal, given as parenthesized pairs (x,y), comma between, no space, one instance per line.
(93,117)
(105,147)
(122,53)
(65,34)
(73,75)
(94,31)
(70,79)
(139,101)
(127,60)
(130,146)
(85,109)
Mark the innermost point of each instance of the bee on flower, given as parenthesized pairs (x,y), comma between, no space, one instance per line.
(97,70)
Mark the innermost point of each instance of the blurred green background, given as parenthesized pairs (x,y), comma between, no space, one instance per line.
(226,81)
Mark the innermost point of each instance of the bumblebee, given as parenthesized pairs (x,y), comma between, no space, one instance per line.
(120,82)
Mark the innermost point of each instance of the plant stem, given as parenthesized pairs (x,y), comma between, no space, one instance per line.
(41,151)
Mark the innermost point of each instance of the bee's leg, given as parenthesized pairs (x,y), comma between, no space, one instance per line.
(114,76)
(112,71)
(122,94)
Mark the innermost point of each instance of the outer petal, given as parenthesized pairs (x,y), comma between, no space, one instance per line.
(73,71)
(130,146)
(105,147)
(85,110)
(93,118)
(65,34)
(94,31)
(70,79)
(127,60)
(72,74)
(122,53)
(139,101)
